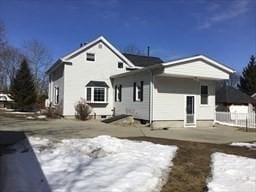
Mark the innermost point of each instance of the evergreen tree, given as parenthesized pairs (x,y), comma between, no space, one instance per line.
(248,78)
(22,88)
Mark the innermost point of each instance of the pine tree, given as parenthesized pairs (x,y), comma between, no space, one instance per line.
(22,88)
(248,78)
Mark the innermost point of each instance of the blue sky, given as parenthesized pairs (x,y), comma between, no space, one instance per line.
(224,30)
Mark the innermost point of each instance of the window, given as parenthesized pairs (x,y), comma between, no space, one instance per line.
(120,65)
(57,95)
(96,94)
(90,57)
(204,95)
(89,94)
(99,94)
(118,93)
(138,91)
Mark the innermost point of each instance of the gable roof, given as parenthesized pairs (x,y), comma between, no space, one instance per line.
(97,84)
(142,61)
(230,95)
(199,57)
(69,56)
(178,62)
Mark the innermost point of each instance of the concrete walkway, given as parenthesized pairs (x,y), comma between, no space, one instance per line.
(60,129)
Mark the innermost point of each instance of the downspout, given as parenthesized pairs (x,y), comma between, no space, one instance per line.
(151,99)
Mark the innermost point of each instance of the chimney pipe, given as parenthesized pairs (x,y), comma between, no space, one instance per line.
(148,50)
(81,44)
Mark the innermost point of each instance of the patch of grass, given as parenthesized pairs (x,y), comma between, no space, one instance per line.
(191,166)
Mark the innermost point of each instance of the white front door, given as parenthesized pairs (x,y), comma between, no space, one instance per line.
(190,119)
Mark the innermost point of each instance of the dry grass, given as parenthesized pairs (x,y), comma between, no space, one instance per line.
(192,163)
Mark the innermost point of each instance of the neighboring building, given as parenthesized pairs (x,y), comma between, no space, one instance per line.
(5,100)
(174,93)
(230,99)
(254,96)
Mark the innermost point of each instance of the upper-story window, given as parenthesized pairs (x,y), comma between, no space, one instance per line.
(120,65)
(57,94)
(118,93)
(90,56)
(138,91)
(204,94)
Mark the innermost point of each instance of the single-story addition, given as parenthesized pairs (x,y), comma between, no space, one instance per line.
(177,93)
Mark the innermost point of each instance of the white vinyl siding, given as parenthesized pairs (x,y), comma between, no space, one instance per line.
(56,86)
(81,71)
(140,110)
(169,98)
(197,68)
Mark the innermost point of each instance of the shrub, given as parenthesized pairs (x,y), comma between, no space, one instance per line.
(83,110)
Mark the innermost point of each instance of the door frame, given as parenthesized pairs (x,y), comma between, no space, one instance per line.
(185,111)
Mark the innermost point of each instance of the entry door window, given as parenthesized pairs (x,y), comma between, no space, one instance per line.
(190,109)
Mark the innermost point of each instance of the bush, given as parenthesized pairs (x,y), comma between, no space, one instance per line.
(54,112)
(83,110)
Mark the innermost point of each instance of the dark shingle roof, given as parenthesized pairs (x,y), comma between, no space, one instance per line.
(97,84)
(143,61)
(230,95)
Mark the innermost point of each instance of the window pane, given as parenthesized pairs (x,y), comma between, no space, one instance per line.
(204,99)
(99,94)
(89,94)
(204,90)
(90,56)
(120,93)
(120,65)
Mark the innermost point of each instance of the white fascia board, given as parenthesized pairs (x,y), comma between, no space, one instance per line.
(101,38)
(202,57)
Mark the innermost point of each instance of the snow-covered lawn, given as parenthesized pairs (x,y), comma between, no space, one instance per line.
(232,173)
(248,145)
(104,164)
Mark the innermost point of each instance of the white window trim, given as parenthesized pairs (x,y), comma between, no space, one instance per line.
(92,94)
(56,101)
(204,105)
(137,99)
(117,92)
(92,54)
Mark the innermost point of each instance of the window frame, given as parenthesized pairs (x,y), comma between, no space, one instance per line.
(204,95)
(88,55)
(92,100)
(122,65)
(118,93)
(56,95)
(138,91)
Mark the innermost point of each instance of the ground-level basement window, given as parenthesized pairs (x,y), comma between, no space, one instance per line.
(138,91)
(204,95)
(56,94)
(96,94)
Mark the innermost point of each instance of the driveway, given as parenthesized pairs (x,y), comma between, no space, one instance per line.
(63,128)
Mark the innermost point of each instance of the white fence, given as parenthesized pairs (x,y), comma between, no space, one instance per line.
(246,120)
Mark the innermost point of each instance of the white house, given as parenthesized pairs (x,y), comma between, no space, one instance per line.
(174,93)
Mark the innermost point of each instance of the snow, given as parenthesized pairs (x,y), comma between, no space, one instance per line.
(232,173)
(104,163)
(248,145)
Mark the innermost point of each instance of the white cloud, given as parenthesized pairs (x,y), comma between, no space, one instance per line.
(223,11)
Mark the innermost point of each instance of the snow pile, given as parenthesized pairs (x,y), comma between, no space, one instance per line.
(232,173)
(104,164)
(248,145)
